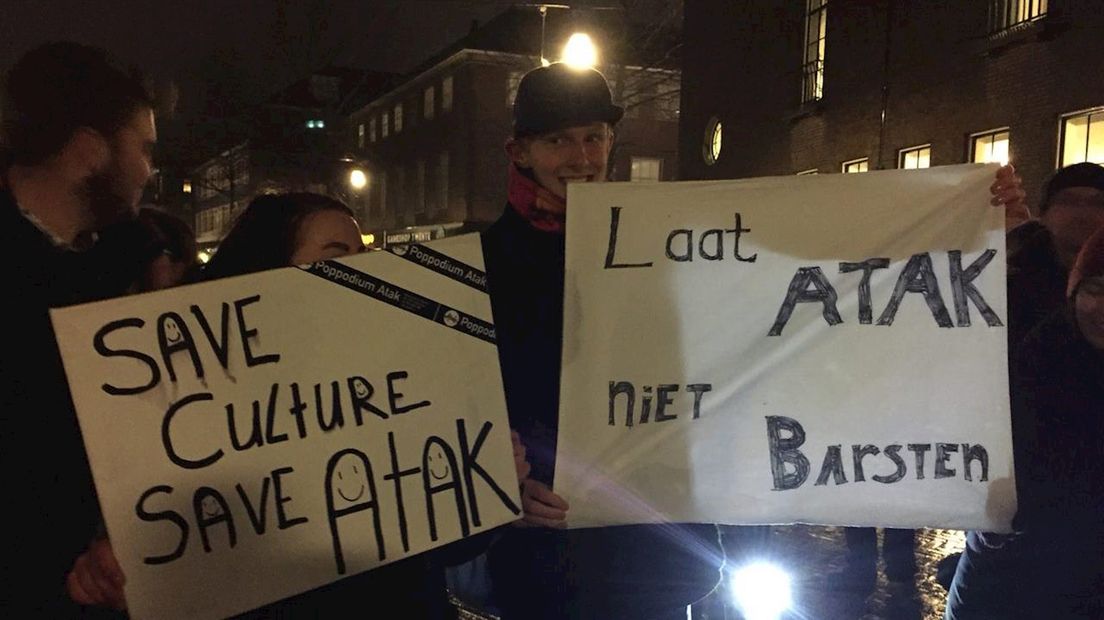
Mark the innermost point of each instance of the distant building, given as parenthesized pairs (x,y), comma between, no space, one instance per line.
(803,86)
(434,143)
(292,142)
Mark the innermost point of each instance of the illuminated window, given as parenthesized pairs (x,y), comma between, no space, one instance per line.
(712,148)
(446,94)
(816,23)
(385,122)
(646,169)
(914,158)
(807,172)
(316,124)
(398,116)
(360,135)
(989,147)
(1082,138)
(372,129)
(857,165)
(428,103)
(187,188)
(1004,14)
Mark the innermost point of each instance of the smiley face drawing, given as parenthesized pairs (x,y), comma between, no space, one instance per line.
(361,388)
(210,507)
(172,330)
(452,317)
(435,459)
(348,480)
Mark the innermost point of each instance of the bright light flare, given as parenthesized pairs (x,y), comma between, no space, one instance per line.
(580,52)
(357,179)
(762,591)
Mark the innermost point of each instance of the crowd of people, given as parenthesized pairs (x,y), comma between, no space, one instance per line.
(78,138)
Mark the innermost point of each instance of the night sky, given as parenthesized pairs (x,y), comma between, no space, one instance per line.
(191,41)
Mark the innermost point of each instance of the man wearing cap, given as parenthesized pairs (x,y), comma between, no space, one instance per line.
(1042,251)
(563,132)
(1051,567)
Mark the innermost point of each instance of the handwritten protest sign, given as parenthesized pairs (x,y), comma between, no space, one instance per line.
(805,349)
(256,437)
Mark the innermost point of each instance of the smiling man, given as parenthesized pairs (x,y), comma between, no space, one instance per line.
(563,132)
(78,134)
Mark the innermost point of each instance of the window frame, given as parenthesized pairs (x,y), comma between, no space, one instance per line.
(853,162)
(971,144)
(812,64)
(902,153)
(1059,160)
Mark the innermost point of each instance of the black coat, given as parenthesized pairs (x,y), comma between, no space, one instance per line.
(613,572)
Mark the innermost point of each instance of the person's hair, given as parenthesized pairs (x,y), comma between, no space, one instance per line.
(57,88)
(265,234)
(167,234)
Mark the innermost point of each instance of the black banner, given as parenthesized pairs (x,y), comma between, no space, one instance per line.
(443,264)
(403,299)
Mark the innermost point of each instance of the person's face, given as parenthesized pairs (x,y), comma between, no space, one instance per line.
(324,235)
(164,272)
(1074,213)
(572,155)
(1089,307)
(115,190)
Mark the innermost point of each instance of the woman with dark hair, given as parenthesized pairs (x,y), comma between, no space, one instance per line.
(1051,567)
(170,255)
(278,230)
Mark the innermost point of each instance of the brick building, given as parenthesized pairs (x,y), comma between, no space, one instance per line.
(802,86)
(433,144)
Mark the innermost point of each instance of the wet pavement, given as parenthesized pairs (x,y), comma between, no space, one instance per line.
(832,581)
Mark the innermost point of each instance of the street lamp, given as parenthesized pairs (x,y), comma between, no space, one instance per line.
(580,52)
(357,179)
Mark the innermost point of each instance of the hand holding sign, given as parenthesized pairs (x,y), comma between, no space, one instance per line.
(97,578)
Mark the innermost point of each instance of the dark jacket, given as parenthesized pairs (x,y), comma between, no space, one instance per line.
(1053,567)
(1036,280)
(613,572)
(52,510)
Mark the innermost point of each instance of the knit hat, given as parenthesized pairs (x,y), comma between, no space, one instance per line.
(1090,262)
(559,96)
(1085,174)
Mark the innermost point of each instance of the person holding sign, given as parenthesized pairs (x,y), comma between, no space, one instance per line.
(281,230)
(78,135)
(1051,567)
(563,133)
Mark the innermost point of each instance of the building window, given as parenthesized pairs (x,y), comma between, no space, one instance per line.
(1082,138)
(428,103)
(513,78)
(446,94)
(1004,14)
(187,187)
(372,129)
(816,22)
(646,169)
(667,106)
(385,124)
(712,148)
(857,165)
(316,124)
(443,181)
(360,135)
(807,172)
(914,157)
(382,194)
(419,187)
(989,147)
(398,116)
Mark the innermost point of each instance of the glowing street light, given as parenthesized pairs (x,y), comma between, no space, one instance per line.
(357,179)
(580,52)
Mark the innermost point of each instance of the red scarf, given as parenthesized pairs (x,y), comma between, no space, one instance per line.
(540,207)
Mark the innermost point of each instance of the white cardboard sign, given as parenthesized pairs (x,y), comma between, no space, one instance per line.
(260,436)
(817,349)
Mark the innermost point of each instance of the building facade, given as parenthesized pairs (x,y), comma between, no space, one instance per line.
(804,86)
(433,146)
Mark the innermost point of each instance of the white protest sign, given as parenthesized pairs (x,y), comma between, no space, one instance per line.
(260,436)
(818,349)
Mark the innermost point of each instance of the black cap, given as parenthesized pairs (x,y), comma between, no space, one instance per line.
(558,96)
(1085,174)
